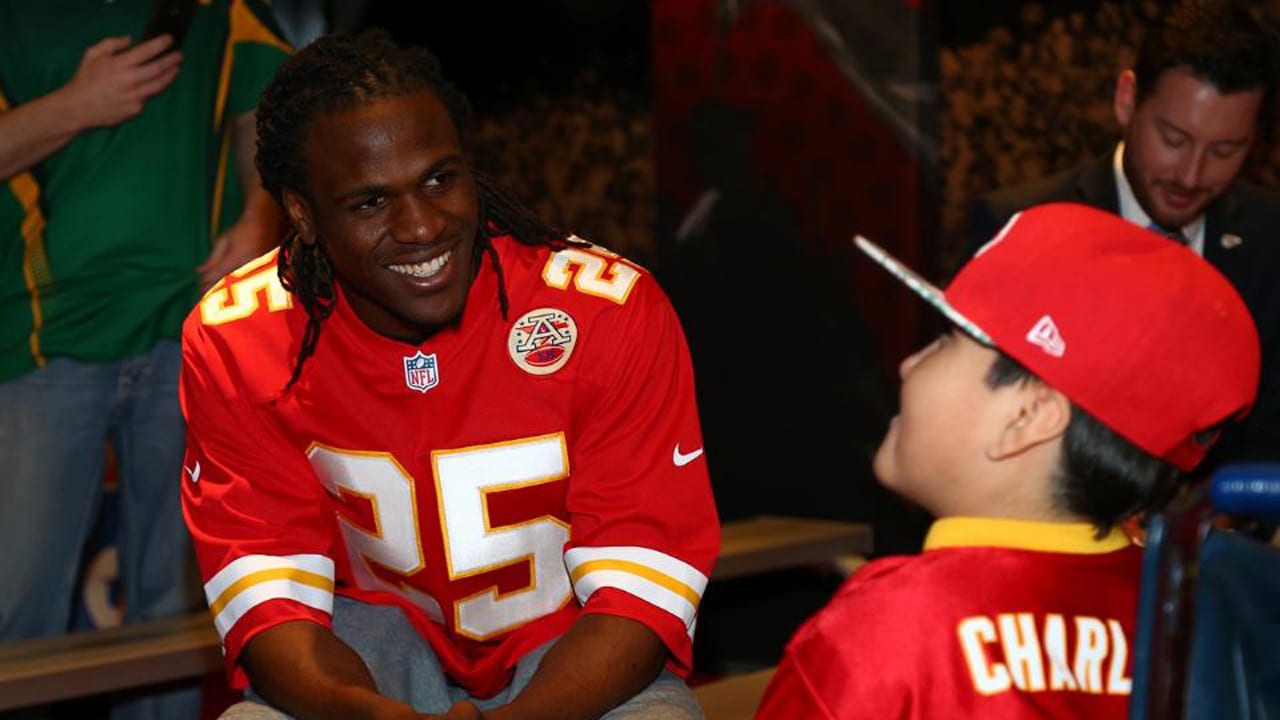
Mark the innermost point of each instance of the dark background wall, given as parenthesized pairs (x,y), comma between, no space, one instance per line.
(563,94)
(506,52)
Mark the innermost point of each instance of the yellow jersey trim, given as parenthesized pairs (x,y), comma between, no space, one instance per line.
(296,575)
(244,27)
(35,262)
(634,568)
(1072,538)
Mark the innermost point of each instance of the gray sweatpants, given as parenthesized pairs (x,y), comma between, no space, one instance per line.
(405,668)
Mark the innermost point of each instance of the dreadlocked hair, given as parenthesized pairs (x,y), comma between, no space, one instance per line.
(338,73)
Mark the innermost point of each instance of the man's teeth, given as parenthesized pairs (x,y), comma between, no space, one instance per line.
(423,269)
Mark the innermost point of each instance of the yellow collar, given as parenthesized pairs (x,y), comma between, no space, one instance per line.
(1075,538)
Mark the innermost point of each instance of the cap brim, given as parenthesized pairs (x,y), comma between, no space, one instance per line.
(922,287)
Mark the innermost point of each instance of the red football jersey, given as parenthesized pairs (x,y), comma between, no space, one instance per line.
(996,619)
(480,481)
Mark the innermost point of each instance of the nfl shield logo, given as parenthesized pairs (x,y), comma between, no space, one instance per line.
(420,372)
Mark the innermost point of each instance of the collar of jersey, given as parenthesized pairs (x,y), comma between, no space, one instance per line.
(1073,538)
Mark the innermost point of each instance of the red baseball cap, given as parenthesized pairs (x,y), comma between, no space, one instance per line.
(1137,330)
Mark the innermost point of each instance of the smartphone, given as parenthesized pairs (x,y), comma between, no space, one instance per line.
(170,17)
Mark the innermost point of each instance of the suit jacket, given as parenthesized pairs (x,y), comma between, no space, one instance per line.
(1249,212)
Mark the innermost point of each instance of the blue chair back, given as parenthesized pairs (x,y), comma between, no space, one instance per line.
(1208,642)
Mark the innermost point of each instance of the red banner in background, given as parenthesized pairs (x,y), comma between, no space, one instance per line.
(815,138)
(782,128)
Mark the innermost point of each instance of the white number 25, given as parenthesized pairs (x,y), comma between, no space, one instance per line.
(464,480)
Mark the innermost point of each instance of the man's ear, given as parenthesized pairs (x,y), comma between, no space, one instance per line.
(1037,414)
(299,212)
(1125,100)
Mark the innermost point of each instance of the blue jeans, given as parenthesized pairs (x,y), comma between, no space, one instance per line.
(54,425)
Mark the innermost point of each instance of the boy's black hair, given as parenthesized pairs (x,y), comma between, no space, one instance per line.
(338,73)
(1219,41)
(1100,476)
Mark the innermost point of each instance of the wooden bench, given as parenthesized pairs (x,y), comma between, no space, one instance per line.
(81,664)
(766,543)
(88,663)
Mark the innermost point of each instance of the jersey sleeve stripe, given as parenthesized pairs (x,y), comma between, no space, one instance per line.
(282,589)
(254,579)
(657,578)
(250,564)
(653,576)
(290,575)
(674,568)
(652,593)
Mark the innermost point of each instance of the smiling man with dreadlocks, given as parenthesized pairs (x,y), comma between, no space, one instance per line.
(443,458)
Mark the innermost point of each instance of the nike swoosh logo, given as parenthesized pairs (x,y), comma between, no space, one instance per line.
(681,459)
(193,472)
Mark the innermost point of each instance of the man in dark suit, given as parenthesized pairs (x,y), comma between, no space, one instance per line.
(1191,108)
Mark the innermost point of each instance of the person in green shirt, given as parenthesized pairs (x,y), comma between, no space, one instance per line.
(128,188)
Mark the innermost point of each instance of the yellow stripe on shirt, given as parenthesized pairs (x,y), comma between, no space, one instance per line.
(35,261)
(643,571)
(297,575)
(245,27)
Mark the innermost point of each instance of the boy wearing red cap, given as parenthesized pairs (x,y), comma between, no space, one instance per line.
(1091,362)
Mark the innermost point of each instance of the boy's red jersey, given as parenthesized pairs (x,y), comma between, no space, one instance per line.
(997,619)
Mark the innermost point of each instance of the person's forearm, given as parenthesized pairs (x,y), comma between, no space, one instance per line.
(260,209)
(600,663)
(261,213)
(259,226)
(35,130)
(244,146)
(305,670)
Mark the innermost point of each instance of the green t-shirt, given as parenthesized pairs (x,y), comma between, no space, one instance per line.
(128,210)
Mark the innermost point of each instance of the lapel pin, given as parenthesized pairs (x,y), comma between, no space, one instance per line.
(1230,241)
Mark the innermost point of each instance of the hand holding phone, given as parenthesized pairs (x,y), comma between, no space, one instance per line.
(172,18)
(115,80)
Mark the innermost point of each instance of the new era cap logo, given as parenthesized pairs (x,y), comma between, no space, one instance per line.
(1044,334)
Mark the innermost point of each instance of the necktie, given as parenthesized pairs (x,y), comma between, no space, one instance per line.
(1171,234)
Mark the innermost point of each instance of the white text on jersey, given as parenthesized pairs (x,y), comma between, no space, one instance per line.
(1013,650)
